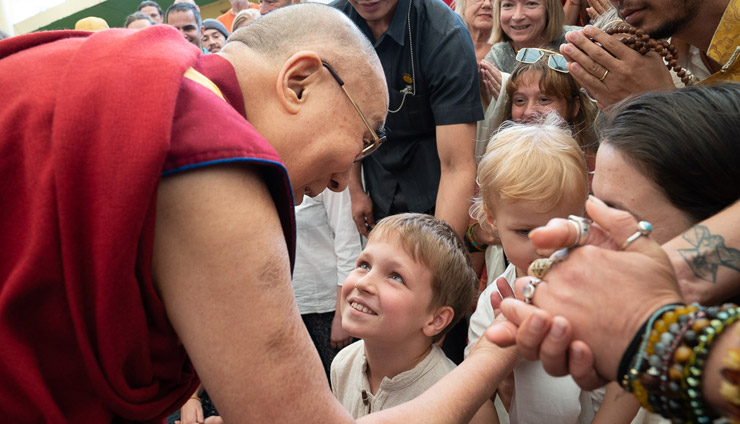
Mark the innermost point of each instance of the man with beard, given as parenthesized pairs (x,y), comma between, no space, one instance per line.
(214,35)
(615,71)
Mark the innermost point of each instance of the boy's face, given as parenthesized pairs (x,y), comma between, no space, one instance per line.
(388,294)
(514,221)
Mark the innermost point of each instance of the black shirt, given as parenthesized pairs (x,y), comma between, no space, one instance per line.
(443,89)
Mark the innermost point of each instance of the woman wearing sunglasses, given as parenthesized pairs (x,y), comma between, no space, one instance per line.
(540,83)
(518,24)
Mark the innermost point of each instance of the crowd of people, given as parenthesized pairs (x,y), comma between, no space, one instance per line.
(391,211)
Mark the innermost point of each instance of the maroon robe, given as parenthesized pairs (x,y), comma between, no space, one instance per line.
(89,125)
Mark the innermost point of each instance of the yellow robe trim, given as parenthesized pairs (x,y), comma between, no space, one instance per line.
(725,46)
(203,80)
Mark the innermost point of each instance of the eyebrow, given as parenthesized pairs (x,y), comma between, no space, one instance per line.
(621,207)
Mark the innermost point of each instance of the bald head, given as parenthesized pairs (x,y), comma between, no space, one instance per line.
(287,30)
(297,103)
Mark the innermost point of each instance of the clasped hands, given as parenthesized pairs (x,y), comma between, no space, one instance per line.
(610,71)
(589,306)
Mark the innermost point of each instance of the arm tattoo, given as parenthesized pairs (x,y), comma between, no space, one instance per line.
(708,253)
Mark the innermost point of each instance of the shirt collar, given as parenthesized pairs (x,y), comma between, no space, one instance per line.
(397,29)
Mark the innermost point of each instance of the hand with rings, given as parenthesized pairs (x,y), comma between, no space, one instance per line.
(539,267)
(586,310)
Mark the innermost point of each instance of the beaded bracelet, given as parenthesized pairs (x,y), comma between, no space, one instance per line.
(730,386)
(470,242)
(665,374)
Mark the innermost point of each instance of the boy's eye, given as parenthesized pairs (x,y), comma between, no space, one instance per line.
(524,233)
(363,265)
(545,100)
(397,277)
(518,101)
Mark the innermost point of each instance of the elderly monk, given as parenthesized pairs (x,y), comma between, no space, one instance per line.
(139,235)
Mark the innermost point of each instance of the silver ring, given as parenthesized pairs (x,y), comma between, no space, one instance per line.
(529,289)
(644,228)
(583,227)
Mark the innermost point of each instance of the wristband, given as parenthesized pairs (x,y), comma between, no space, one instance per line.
(470,242)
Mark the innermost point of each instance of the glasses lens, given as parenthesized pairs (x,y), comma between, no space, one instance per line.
(371,146)
(558,63)
(529,55)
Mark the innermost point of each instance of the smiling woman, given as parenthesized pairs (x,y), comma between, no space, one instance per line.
(524,23)
(478,17)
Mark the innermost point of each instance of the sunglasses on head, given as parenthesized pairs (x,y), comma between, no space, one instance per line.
(555,61)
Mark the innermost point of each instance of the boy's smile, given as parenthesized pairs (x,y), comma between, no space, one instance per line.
(388,294)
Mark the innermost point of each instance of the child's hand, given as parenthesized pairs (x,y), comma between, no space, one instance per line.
(339,337)
(191,412)
(504,292)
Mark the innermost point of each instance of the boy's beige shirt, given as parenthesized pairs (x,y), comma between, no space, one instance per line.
(349,381)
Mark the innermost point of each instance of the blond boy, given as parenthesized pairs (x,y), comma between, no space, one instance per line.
(412,282)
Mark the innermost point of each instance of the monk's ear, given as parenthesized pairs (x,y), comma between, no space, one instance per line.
(297,79)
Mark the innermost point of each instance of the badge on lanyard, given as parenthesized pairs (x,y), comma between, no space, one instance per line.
(407,79)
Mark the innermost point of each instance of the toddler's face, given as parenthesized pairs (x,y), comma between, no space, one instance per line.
(388,294)
(514,221)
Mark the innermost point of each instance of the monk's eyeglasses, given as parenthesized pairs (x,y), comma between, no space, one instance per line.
(368,146)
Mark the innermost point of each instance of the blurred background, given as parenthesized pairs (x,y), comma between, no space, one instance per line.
(24,16)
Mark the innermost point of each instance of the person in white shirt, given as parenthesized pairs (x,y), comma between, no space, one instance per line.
(327,246)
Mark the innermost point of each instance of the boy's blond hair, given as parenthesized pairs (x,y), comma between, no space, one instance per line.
(539,163)
(434,243)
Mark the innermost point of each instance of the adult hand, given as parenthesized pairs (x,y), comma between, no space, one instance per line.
(191,412)
(597,8)
(339,338)
(614,72)
(362,212)
(602,295)
(490,82)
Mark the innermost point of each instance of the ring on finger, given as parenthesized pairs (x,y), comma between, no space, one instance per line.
(541,266)
(583,227)
(529,289)
(644,228)
(606,72)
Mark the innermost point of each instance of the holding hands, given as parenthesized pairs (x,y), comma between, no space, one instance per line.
(588,307)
